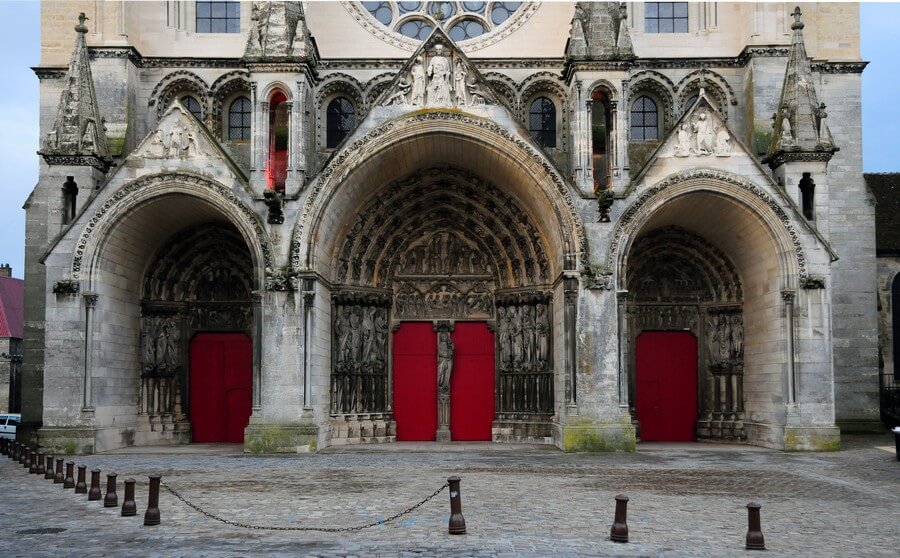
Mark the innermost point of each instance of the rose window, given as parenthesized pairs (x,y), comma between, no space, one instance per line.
(461,20)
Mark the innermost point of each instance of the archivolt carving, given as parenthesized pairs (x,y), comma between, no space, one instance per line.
(505,88)
(625,227)
(421,226)
(711,79)
(175,84)
(120,198)
(351,151)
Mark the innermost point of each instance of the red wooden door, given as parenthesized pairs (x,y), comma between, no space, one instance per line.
(221,386)
(415,381)
(666,378)
(472,382)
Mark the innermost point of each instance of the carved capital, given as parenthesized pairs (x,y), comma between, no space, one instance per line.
(442,326)
(90,300)
(788,296)
(811,282)
(66,287)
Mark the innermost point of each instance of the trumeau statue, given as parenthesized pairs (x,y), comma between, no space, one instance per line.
(445,361)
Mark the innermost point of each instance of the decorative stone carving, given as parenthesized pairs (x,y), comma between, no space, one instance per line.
(280,279)
(359,374)
(65,287)
(445,361)
(274,200)
(278,32)
(811,282)
(174,140)
(597,276)
(523,337)
(605,199)
(161,345)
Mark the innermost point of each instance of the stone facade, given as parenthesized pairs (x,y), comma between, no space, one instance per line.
(319,177)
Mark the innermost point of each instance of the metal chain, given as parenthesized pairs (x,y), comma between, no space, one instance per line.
(285,528)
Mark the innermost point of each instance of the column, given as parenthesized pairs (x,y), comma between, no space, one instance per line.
(570,293)
(257,297)
(90,303)
(589,144)
(612,148)
(788,297)
(623,335)
(309,295)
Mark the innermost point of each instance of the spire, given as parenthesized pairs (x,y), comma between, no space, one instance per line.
(800,121)
(78,130)
(278,31)
(599,31)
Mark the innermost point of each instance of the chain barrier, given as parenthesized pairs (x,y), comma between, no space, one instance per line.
(287,528)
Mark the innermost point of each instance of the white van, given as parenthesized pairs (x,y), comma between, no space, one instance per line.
(8,424)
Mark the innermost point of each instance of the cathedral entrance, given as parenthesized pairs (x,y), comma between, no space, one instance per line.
(443,259)
(666,377)
(221,385)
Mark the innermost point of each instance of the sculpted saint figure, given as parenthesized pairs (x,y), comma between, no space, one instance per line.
(737,338)
(542,325)
(723,142)
(712,340)
(528,333)
(439,76)
(445,361)
(515,334)
(503,334)
(418,84)
(683,147)
(459,84)
(703,129)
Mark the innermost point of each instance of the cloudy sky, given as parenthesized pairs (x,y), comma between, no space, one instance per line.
(20,50)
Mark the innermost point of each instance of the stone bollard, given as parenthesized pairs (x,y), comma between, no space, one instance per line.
(111,500)
(29,457)
(619,531)
(48,470)
(94,492)
(32,462)
(755,539)
(69,482)
(81,486)
(23,454)
(2,446)
(40,469)
(129,506)
(58,478)
(151,516)
(457,521)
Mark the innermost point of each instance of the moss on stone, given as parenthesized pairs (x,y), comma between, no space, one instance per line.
(116,145)
(272,438)
(585,436)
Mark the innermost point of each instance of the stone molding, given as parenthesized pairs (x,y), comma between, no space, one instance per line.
(143,186)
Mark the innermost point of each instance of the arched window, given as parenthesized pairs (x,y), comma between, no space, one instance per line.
(808,197)
(601,128)
(341,119)
(276,172)
(644,119)
(192,105)
(239,119)
(542,121)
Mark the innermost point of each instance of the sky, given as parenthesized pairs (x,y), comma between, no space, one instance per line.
(20,50)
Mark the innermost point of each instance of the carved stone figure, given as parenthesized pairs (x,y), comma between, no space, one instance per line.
(398,97)
(342,331)
(528,334)
(161,352)
(367,334)
(157,148)
(737,338)
(418,84)
(503,335)
(439,78)
(723,142)
(724,339)
(445,361)
(704,136)
(542,327)
(515,334)
(712,340)
(459,80)
(787,134)
(683,147)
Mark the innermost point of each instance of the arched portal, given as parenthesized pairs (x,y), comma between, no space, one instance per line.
(721,278)
(173,258)
(442,219)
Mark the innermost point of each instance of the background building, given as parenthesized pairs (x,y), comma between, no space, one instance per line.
(12,301)
(297,225)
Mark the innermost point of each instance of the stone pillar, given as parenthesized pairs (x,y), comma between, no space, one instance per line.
(612,148)
(90,303)
(257,351)
(570,293)
(589,145)
(624,347)
(788,297)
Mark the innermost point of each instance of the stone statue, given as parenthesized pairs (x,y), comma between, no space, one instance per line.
(723,142)
(459,80)
(515,334)
(704,135)
(445,361)
(737,338)
(157,147)
(503,334)
(787,134)
(355,337)
(683,147)
(381,335)
(542,327)
(342,331)
(367,331)
(439,78)
(712,340)
(418,84)
(254,43)
(528,334)
(398,97)
(724,339)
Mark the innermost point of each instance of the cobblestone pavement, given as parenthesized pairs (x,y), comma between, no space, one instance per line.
(685,501)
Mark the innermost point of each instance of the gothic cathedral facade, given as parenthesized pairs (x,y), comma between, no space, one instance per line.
(293,225)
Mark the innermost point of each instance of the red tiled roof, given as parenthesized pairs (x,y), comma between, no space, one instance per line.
(12,307)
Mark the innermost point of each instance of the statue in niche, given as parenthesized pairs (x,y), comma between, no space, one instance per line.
(542,329)
(445,361)
(381,335)
(704,138)
(161,355)
(342,330)
(683,147)
(724,339)
(787,134)
(355,337)
(439,75)
(528,334)
(459,80)
(503,334)
(367,333)
(453,249)
(417,98)
(737,338)
(515,334)
(723,142)
(712,340)
(434,255)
